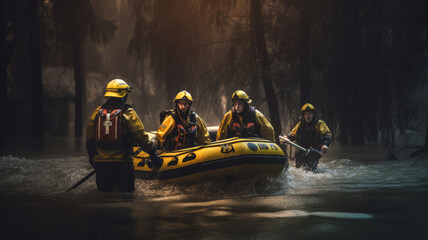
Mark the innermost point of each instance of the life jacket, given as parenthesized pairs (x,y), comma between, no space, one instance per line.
(307,135)
(182,136)
(108,128)
(249,128)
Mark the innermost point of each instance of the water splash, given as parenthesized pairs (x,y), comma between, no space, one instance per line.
(55,175)
(349,175)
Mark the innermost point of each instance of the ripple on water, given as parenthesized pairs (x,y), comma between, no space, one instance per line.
(348,175)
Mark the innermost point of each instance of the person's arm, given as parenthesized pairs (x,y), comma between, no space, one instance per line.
(141,137)
(325,135)
(265,127)
(202,134)
(222,129)
(165,129)
(91,147)
(137,130)
(292,135)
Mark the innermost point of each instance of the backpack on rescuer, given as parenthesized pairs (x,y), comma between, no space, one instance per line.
(108,128)
(181,136)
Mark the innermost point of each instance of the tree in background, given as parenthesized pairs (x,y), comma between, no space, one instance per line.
(76,21)
(36,69)
(21,31)
(359,62)
(170,34)
(174,43)
(3,70)
(262,58)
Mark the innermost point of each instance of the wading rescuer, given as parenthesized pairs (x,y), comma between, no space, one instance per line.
(310,132)
(244,120)
(112,131)
(180,127)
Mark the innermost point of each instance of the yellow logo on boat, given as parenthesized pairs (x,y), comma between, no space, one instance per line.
(227,148)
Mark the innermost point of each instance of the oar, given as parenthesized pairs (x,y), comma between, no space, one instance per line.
(81,181)
(300,147)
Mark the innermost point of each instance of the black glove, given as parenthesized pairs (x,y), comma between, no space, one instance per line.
(155,159)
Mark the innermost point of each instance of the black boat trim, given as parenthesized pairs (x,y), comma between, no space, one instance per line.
(212,165)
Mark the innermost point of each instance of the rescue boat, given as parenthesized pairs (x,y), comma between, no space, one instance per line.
(225,160)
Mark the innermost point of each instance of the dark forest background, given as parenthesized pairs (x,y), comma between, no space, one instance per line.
(363,64)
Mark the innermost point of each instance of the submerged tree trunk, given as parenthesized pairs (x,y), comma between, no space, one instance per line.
(3,76)
(424,149)
(374,80)
(80,84)
(262,58)
(304,52)
(426,137)
(344,87)
(36,71)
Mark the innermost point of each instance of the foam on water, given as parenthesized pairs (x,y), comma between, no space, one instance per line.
(55,175)
(347,194)
(349,175)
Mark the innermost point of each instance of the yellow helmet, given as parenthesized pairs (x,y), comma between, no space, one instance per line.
(241,95)
(183,95)
(308,107)
(117,88)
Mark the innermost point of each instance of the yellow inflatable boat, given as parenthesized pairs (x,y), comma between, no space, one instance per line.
(229,159)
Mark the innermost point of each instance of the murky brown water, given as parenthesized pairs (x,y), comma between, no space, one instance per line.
(356,194)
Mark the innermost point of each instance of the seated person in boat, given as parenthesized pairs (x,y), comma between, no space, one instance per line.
(244,120)
(182,128)
(112,130)
(310,132)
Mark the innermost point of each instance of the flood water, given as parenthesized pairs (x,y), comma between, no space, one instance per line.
(356,194)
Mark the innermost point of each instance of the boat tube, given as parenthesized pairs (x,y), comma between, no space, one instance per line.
(225,160)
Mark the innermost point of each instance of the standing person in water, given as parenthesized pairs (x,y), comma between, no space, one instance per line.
(180,127)
(244,120)
(112,130)
(310,132)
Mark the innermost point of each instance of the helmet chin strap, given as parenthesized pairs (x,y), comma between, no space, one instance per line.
(124,98)
(247,107)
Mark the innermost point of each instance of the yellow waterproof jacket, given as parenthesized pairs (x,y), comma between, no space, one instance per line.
(308,137)
(263,125)
(168,125)
(132,128)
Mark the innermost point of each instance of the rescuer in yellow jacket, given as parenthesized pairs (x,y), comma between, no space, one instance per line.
(310,132)
(112,131)
(182,128)
(244,120)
